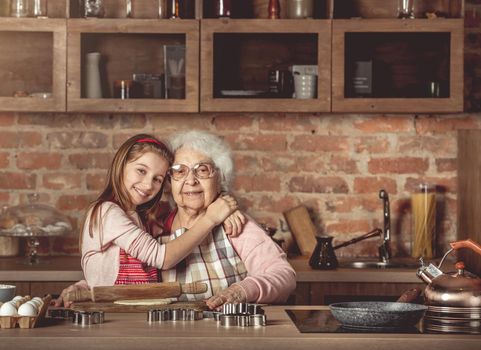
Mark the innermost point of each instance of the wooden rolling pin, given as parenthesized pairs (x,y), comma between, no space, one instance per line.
(136,291)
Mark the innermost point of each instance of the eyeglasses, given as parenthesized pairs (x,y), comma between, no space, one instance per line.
(200,170)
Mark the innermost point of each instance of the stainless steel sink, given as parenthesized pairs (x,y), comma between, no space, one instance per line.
(371,264)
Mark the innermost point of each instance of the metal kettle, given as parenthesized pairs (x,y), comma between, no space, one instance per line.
(460,289)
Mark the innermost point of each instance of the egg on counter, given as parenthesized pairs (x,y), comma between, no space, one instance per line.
(8,309)
(27,309)
(18,297)
(35,305)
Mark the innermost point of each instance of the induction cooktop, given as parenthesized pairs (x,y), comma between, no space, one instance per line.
(322,321)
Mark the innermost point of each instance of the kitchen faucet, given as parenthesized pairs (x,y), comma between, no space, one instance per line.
(385,249)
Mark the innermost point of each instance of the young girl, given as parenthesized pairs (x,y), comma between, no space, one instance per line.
(116,245)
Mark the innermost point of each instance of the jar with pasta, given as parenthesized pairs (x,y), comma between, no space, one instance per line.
(423,204)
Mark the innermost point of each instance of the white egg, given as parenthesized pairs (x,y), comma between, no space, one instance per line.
(37,299)
(33,304)
(18,297)
(8,309)
(27,310)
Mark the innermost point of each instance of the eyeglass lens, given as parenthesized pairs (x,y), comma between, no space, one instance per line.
(200,171)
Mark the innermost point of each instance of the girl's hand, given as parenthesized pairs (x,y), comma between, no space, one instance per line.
(221,208)
(234,224)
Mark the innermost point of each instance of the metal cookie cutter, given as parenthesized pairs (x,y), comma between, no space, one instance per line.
(174,315)
(83,318)
(242,315)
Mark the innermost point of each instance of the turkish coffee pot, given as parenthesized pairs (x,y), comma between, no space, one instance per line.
(459,289)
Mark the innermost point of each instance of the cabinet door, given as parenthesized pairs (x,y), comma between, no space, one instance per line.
(131,47)
(397,66)
(239,59)
(32,64)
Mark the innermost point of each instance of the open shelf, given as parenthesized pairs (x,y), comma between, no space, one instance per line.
(237,56)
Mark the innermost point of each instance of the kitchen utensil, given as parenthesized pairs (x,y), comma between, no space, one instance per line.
(461,289)
(377,314)
(111,307)
(7,292)
(323,257)
(137,291)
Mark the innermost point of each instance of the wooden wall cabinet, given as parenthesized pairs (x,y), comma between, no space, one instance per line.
(129,46)
(406,57)
(32,64)
(237,55)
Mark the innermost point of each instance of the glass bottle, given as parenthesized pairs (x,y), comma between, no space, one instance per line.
(173,9)
(40,8)
(223,8)
(274,9)
(19,8)
(423,204)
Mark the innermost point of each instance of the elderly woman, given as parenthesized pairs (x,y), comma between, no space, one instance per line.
(247,268)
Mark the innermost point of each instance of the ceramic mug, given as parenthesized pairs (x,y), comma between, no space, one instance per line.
(305,86)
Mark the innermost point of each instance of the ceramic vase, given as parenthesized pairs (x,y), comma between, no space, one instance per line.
(93,86)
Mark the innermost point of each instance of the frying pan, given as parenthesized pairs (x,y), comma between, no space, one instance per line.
(377,314)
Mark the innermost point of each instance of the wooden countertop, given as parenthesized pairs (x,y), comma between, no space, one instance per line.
(131,331)
(67,268)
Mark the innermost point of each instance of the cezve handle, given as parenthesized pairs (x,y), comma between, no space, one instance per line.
(136,291)
(466,244)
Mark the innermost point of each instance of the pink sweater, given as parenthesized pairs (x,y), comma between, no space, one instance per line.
(270,278)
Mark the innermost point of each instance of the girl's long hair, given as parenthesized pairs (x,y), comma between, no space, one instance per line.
(115,191)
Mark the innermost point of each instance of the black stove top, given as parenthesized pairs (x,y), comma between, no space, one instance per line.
(322,321)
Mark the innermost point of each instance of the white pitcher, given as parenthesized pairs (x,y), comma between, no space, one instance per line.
(93,86)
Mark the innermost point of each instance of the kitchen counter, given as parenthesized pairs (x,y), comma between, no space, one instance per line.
(131,331)
(67,268)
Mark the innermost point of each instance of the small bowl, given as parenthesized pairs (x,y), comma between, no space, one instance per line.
(7,292)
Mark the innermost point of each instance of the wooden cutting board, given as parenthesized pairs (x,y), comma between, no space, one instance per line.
(89,306)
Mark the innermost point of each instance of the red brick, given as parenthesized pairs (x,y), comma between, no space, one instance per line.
(278,205)
(405,165)
(95,182)
(385,124)
(264,143)
(341,164)
(133,121)
(4,159)
(175,122)
(54,120)
(7,119)
(428,125)
(446,165)
(17,181)
(244,163)
(4,198)
(371,144)
(441,145)
(313,184)
(317,164)
(41,197)
(236,122)
(38,160)
(20,139)
(259,183)
(291,122)
(84,140)
(319,143)
(91,161)
(280,162)
(66,181)
(348,226)
(348,204)
(74,202)
(374,184)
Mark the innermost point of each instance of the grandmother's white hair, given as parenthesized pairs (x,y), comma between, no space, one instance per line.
(211,146)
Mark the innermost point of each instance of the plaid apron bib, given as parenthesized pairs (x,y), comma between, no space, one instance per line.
(214,262)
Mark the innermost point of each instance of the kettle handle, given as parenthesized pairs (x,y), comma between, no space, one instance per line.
(466,244)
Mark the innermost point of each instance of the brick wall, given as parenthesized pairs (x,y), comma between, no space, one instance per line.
(334,164)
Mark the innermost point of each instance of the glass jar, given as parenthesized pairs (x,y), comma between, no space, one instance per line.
(18,8)
(223,8)
(94,8)
(423,204)
(40,8)
(298,9)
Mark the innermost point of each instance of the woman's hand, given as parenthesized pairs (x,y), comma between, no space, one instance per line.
(234,294)
(234,224)
(62,298)
(221,208)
